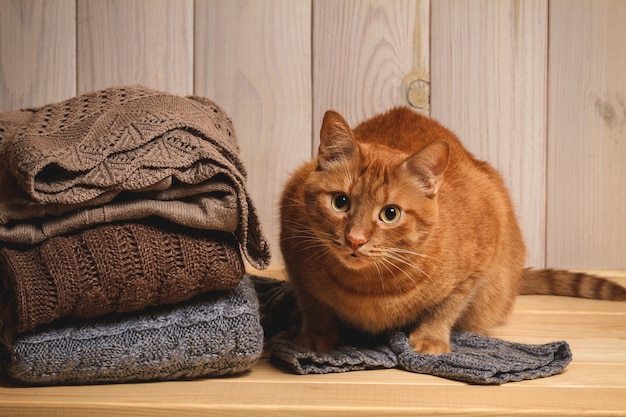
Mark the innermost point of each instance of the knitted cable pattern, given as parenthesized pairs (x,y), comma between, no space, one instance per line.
(217,334)
(114,269)
(111,155)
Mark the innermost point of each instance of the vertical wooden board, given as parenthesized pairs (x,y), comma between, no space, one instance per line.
(37,52)
(362,50)
(125,42)
(587,135)
(417,81)
(488,84)
(254,59)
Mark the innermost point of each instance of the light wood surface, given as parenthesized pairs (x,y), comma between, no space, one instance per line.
(593,384)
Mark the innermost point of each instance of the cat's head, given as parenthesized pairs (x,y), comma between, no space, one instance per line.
(369,204)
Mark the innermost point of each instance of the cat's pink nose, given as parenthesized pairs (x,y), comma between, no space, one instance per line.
(356,241)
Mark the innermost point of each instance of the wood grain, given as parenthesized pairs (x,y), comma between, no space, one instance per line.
(488,84)
(417,81)
(125,42)
(593,384)
(587,135)
(411,396)
(37,52)
(254,59)
(362,50)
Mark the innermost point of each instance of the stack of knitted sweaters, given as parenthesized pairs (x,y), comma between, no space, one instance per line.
(123,220)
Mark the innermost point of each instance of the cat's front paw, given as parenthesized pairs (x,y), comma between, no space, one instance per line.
(429,346)
(317,342)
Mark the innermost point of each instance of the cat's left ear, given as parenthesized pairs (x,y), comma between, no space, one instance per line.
(337,141)
(428,166)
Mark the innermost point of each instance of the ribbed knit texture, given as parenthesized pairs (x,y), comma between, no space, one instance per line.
(120,154)
(114,269)
(475,359)
(218,334)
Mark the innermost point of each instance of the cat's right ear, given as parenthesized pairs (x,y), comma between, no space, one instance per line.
(337,141)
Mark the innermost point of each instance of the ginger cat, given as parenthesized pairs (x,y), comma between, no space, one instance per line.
(394,225)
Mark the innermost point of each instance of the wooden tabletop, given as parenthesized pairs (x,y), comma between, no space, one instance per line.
(593,384)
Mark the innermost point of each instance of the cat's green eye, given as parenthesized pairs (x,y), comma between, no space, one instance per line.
(390,214)
(340,202)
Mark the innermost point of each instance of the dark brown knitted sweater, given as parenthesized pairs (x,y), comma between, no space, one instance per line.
(113,269)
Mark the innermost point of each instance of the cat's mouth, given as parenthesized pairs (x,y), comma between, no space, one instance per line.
(352,258)
(355,259)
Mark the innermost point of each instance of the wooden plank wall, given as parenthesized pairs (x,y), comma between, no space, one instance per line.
(586,210)
(535,87)
(37,52)
(134,41)
(254,59)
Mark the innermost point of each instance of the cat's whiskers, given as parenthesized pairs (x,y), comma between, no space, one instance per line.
(397,255)
(295,202)
(381,257)
(315,242)
(380,276)
(318,252)
(380,262)
(308,243)
(293,222)
(399,268)
(404,253)
(311,243)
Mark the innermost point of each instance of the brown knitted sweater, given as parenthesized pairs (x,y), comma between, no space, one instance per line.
(113,269)
(120,154)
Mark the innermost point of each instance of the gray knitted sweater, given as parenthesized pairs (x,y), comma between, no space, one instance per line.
(217,334)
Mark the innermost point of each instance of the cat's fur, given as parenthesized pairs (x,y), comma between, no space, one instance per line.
(453,258)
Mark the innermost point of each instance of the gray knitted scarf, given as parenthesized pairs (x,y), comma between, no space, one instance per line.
(475,359)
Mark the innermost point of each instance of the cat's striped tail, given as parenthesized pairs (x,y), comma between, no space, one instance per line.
(571,284)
